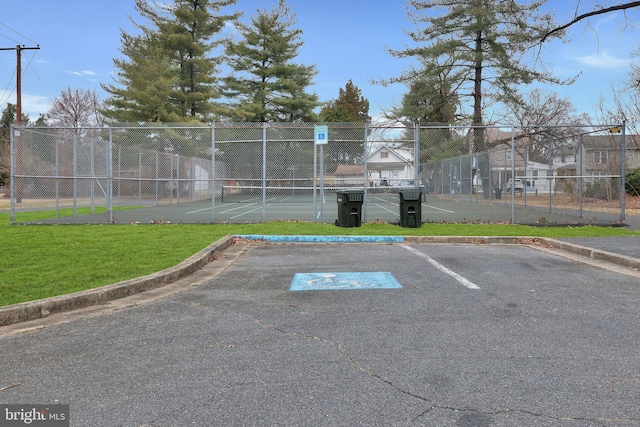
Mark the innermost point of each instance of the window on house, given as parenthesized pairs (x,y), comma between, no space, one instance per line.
(600,156)
(384,155)
(507,154)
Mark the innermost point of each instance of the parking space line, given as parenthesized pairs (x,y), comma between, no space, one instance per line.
(442,268)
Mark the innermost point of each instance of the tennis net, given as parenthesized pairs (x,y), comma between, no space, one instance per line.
(254,194)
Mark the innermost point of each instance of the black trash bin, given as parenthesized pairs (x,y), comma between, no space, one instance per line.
(349,208)
(411,208)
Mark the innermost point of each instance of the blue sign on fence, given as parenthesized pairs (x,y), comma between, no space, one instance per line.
(321,135)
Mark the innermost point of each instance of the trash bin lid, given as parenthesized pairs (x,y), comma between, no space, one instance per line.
(355,196)
(414,194)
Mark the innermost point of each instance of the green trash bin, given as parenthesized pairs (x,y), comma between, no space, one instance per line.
(349,208)
(411,208)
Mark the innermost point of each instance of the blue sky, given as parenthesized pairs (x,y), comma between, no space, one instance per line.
(345,39)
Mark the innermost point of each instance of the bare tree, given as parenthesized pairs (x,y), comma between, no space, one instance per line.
(78,110)
(587,15)
(624,103)
(548,122)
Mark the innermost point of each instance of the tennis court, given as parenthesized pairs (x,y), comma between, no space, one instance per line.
(385,207)
(272,171)
(250,204)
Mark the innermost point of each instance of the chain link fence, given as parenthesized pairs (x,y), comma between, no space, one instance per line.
(255,172)
(541,173)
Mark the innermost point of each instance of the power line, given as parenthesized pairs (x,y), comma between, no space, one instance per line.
(19,50)
(7,37)
(2,98)
(21,35)
(6,93)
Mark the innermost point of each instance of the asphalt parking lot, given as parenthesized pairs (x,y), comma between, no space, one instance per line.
(477,335)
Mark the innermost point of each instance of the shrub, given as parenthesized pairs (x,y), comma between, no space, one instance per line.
(632,183)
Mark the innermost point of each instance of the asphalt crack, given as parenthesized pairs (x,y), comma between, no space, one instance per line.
(432,404)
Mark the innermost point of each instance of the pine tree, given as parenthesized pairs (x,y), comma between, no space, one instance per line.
(267,85)
(8,117)
(146,82)
(430,101)
(485,42)
(350,106)
(426,102)
(170,74)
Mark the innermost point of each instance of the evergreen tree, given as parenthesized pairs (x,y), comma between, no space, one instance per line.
(8,117)
(430,101)
(146,84)
(350,106)
(485,42)
(426,102)
(267,85)
(170,74)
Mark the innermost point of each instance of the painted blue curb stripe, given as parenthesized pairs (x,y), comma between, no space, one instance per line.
(330,281)
(323,239)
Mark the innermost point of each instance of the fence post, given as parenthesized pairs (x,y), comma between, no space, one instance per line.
(441,178)
(416,153)
(623,157)
(513,176)
(213,173)
(12,182)
(580,174)
(366,154)
(75,176)
(157,176)
(551,176)
(264,172)
(57,154)
(315,180)
(525,159)
(92,186)
(460,178)
(109,175)
(140,177)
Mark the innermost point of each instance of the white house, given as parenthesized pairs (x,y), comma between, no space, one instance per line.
(389,166)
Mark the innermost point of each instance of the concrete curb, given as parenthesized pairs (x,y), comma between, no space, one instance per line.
(584,251)
(42,308)
(595,254)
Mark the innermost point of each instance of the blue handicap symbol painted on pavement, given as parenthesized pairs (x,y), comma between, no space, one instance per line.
(343,281)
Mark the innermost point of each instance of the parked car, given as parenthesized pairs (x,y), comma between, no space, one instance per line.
(402,185)
(518,185)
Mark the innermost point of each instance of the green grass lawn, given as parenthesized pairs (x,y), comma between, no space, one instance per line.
(44,261)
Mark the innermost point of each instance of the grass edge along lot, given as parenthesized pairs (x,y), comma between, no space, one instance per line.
(44,261)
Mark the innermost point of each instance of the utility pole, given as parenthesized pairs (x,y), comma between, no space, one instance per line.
(19,50)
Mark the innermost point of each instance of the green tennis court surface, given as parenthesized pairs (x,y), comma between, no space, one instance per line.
(293,204)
